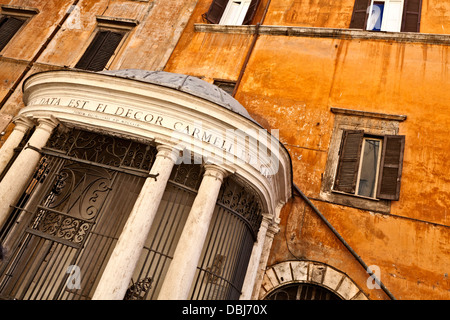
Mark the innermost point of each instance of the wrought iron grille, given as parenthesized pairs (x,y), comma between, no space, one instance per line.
(101,149)
(229,241)
(229,244)
(302,291)
(71,214)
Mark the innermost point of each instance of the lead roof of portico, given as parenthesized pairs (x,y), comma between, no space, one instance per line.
(184,83)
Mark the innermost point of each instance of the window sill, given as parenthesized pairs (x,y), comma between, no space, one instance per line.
(355,201)
(355,195)
(224,28)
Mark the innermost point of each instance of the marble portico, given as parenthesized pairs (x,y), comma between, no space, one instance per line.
(186,119)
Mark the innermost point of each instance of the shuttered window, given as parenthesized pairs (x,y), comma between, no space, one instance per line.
(370,166)
(100,50)
(411,16)
(349,156)
(8,28)
(251,12)
(359,16)
(391,168)
(216,10)
(389,15)
(235,12)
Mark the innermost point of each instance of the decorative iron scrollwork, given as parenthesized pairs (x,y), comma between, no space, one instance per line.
(189,175)
(138,290)
(241,200)
(62,226)
(108,150)
(79,190)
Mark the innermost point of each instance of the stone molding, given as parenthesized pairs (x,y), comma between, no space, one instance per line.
(312,272)
(334,33)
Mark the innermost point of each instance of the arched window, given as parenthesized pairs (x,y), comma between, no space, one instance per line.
(302,291)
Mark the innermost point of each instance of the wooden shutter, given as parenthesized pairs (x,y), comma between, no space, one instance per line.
(8,28)
(411,16)
(349,157)
(100,50)
(359,16)
(216,10)
(391,168)
(251,12)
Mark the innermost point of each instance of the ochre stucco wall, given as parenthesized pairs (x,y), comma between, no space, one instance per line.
(290,84)
(294,87)
(198,54)
(338,13)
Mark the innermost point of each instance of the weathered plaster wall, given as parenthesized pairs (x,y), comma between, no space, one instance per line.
(311,13)
(147,46)
(338,13)
(26,44)
(199,54)
(295,96)
(290,84)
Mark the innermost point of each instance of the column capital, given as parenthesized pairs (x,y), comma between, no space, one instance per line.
(212,170)
(48,124)
(22,124)
(167,151)
(267,218)
(272,230)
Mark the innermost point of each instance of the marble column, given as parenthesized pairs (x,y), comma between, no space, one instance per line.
(22,125)
(21,171)
(124,258)
(271,232)
(178,280)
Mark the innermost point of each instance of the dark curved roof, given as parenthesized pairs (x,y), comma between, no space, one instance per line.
(184,83)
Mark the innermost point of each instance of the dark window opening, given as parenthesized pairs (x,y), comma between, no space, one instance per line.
(225,85)
(100,51)
(302,292)
(9,26)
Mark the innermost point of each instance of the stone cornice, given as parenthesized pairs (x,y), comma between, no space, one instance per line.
(377,115)
(291,31)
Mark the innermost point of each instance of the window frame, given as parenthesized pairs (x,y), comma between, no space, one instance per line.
(387,10)
(235,17)
(219,9)
(24,14)
(378,166)
(408,22)
(374,125)
(108,24)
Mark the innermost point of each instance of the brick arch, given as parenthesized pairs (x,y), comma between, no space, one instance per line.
(312,272)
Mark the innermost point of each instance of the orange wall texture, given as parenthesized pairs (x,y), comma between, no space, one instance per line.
(290,84)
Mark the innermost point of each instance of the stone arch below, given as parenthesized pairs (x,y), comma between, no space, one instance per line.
(317,273)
